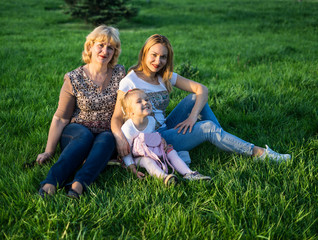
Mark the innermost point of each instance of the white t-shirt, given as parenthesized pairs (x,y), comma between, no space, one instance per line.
(131,132)
(157,94)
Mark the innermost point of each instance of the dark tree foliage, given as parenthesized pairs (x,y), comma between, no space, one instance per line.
(101,11)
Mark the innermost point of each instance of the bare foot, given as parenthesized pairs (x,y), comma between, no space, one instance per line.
(258,151)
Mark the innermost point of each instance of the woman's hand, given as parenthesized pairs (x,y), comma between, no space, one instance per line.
(201,93)
(133,169)
(123,147)
(43,157)
(55,132)
(186,124)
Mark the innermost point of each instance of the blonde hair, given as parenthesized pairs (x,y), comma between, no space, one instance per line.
(106,34)
(166,71)
(126,102)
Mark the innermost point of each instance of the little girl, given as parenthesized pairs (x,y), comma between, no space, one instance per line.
(137,109)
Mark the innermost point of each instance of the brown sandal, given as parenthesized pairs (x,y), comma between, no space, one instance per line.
(73,194)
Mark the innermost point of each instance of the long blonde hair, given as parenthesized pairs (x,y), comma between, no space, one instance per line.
(102,33)
(166,71)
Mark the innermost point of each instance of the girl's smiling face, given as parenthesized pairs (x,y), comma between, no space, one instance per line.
(140,105)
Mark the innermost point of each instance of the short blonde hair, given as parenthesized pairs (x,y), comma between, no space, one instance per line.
(166,71)
(126,101)
(106,34)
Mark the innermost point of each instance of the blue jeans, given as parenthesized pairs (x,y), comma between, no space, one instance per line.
(207,128)
(79,143)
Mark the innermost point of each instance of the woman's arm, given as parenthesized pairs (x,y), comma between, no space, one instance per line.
(55,132)
(60,119)
(201,93)
(116,123)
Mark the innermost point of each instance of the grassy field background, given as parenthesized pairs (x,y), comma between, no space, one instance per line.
(259,60)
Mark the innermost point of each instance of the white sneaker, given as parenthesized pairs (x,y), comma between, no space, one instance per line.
(194,176)
(274,155)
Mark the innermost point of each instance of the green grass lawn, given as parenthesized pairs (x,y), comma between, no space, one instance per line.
(259,60)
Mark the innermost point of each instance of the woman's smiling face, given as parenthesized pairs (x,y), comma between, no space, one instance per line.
(102,52)
(156,57)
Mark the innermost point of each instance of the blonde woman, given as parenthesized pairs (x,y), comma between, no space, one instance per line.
(81,122)
(192,122)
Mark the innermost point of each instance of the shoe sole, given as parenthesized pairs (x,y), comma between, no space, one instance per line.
(171,176)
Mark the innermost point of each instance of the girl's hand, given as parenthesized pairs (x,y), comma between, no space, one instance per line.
(140,175)
(133,169)
(123,147)
(43,157)
(163,141)
(186,124)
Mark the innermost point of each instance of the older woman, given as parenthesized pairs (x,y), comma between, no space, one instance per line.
(81,122)
(192,122)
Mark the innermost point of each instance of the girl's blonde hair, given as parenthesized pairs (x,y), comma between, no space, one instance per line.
(126,102)
(166,71)
(106,34)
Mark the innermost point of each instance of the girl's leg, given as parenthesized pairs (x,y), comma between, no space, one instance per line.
(76,141)
(151,166)
(177,163)
(101,151)
(183,169)
(183,110)
(207,131)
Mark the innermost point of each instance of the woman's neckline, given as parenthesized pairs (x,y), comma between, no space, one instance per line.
(155,84)
(103,86)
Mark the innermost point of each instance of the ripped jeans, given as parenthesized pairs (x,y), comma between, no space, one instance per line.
(207,128)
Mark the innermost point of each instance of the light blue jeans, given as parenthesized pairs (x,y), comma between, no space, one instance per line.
(207,128)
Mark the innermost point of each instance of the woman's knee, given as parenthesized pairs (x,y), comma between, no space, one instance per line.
(188,101)
(209,126)
(191,98)
(106,138)
(74,130)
